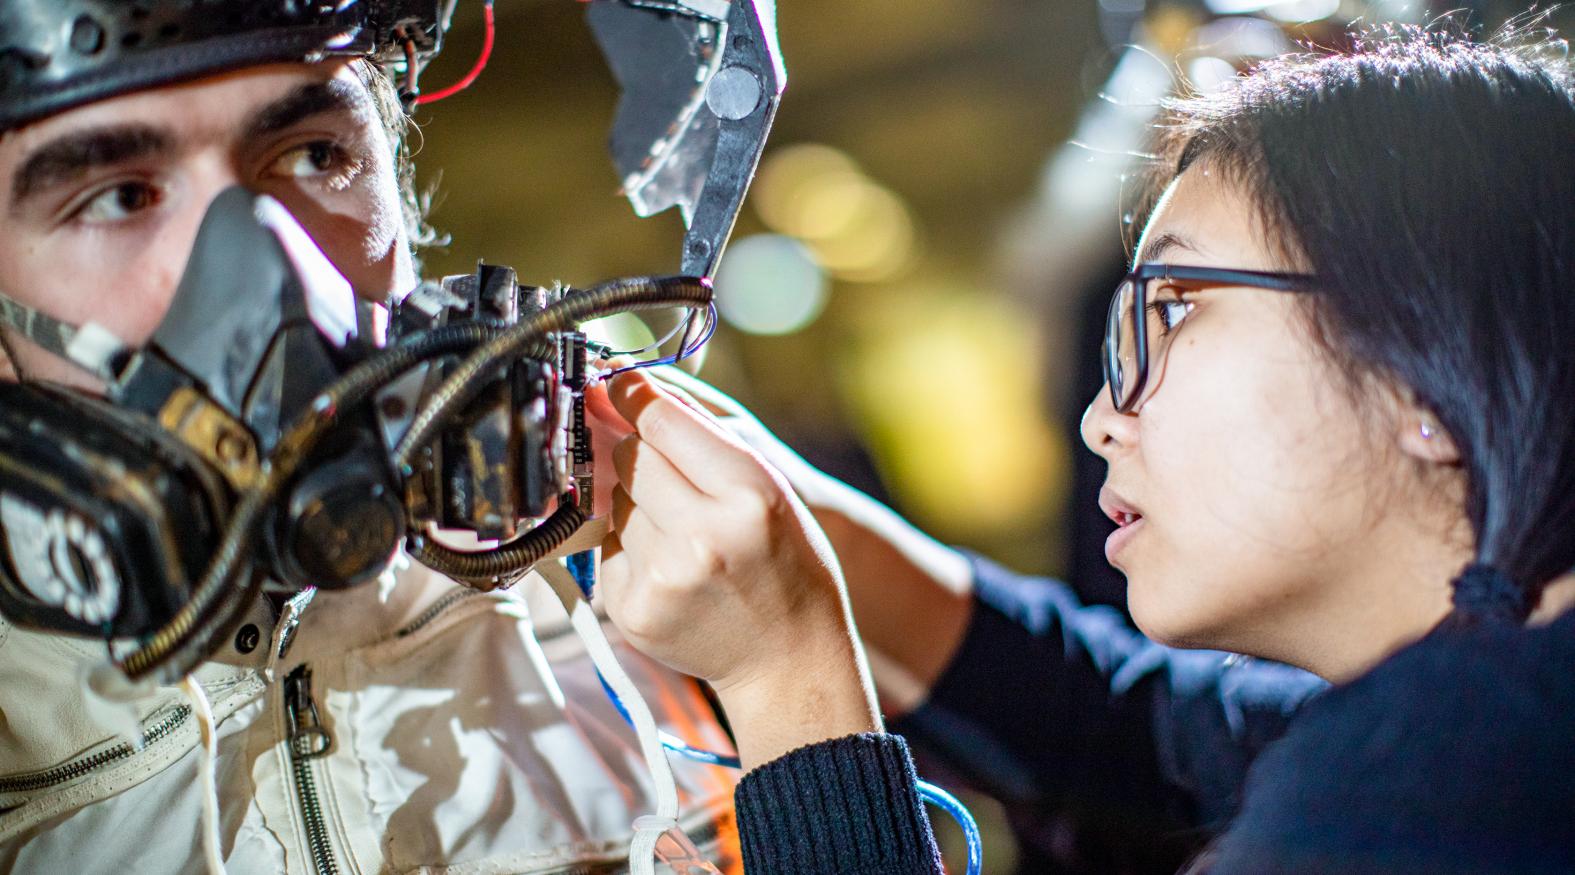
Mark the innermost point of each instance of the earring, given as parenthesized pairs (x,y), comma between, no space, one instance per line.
(1427,431)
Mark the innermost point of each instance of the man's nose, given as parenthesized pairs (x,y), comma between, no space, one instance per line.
(1105,431)
(207,176)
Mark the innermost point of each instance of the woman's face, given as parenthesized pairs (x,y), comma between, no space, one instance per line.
(1268,499)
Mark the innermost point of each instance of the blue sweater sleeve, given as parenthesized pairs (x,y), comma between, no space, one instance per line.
(849,805)
(1054,703)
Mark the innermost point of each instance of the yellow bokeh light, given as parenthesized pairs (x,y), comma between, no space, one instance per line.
(877,245)
(858,229)
(780,189)
(950,404)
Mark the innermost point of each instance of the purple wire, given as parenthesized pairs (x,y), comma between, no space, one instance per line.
(686,352)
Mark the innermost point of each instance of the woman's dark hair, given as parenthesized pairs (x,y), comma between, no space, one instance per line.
(1429,181)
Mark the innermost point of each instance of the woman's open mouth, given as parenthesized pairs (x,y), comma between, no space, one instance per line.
(1119,538)
(1128,520)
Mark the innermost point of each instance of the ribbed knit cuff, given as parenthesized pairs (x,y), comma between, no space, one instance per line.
(847,806)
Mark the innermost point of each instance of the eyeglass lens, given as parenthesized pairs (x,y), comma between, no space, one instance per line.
(1122,369)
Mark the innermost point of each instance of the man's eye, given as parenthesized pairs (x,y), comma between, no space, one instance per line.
(118,203)
(317,158)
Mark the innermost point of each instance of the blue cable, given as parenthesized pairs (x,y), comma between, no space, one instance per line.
(959,812)
(583,567)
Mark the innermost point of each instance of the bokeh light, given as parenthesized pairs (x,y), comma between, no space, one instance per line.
(620,331)
(858,229)
(1283,10)
(769,284)
(1207,73)
(945,382)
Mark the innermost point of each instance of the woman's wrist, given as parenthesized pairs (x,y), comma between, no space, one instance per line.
(821,693)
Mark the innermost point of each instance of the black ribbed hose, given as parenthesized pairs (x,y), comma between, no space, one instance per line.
(490,569)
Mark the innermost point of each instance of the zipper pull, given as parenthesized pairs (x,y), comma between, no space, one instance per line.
(308,737)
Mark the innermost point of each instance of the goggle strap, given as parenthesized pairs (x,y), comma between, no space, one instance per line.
(90,346)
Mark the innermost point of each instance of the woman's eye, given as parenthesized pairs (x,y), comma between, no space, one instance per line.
(317,158)
(118,203)
(1168,314)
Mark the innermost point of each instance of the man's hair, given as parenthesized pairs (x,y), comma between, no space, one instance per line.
(397,125)
(1424,177)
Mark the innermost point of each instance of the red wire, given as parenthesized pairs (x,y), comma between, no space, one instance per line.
(481,64)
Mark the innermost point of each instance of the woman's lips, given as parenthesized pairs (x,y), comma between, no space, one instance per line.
(1120,537)
(1128,520)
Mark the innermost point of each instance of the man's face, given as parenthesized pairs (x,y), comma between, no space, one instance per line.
(102,202)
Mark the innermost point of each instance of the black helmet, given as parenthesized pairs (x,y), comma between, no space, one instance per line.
(57,54)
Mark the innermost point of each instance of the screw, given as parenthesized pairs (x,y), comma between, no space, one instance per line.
(734,93)
(247,638)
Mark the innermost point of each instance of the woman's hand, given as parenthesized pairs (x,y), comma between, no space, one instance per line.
(715,568)
(911,596)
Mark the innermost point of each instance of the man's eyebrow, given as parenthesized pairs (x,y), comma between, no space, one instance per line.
(313,98)
(72,155)
(1156,248)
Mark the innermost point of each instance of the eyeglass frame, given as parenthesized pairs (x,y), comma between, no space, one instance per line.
(1139,275)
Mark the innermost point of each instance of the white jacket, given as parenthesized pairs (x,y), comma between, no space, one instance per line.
(464,733)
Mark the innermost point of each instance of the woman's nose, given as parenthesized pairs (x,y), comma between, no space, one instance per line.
(1105,431)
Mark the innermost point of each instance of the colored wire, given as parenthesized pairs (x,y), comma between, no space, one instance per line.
(686,352)
(475,70)
(959,812)
(682,326)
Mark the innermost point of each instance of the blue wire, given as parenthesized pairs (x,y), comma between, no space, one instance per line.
(959,812)
(582,567)
(931,793)
(672,742)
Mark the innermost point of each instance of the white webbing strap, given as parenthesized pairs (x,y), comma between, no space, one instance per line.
(212,847)
(678,852)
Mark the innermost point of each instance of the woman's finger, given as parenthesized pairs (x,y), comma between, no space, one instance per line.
(703,395)
(683,397)
(620,509)
(653,481)
(641,539)
(709,457)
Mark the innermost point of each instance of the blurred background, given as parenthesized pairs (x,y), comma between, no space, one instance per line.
(912,297)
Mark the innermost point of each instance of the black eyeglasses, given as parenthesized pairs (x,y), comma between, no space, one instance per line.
(1127,348)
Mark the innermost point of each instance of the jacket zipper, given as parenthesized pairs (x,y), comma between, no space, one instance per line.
(309,739)
(153,731)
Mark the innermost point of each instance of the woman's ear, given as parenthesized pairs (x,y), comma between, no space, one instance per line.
(1421,437)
